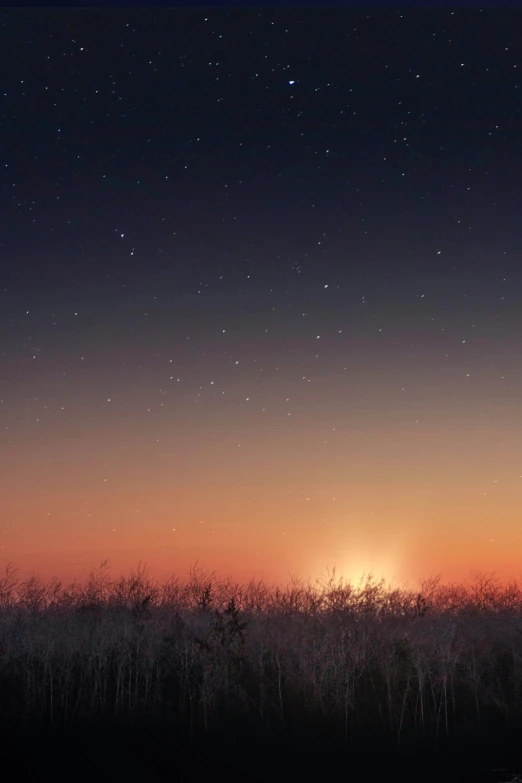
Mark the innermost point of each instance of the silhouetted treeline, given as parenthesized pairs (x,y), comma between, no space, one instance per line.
(353,664)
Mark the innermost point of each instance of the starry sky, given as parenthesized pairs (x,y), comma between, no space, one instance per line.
(260,279)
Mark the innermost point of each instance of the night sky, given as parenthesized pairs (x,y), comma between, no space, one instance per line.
(260,278)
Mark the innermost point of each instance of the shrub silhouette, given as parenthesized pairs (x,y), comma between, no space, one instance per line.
(228,626)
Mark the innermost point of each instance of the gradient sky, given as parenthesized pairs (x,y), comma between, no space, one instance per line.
(260,280)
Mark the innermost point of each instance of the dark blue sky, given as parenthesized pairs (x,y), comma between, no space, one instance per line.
(397,125)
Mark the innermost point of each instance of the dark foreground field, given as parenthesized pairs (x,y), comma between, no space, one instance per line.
(110,753)
(131,680)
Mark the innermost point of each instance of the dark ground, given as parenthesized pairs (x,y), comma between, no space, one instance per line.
(107,754)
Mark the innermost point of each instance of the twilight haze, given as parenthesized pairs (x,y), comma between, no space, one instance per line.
(260,292)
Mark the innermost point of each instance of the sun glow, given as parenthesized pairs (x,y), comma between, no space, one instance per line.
(360,563)
(358,572)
